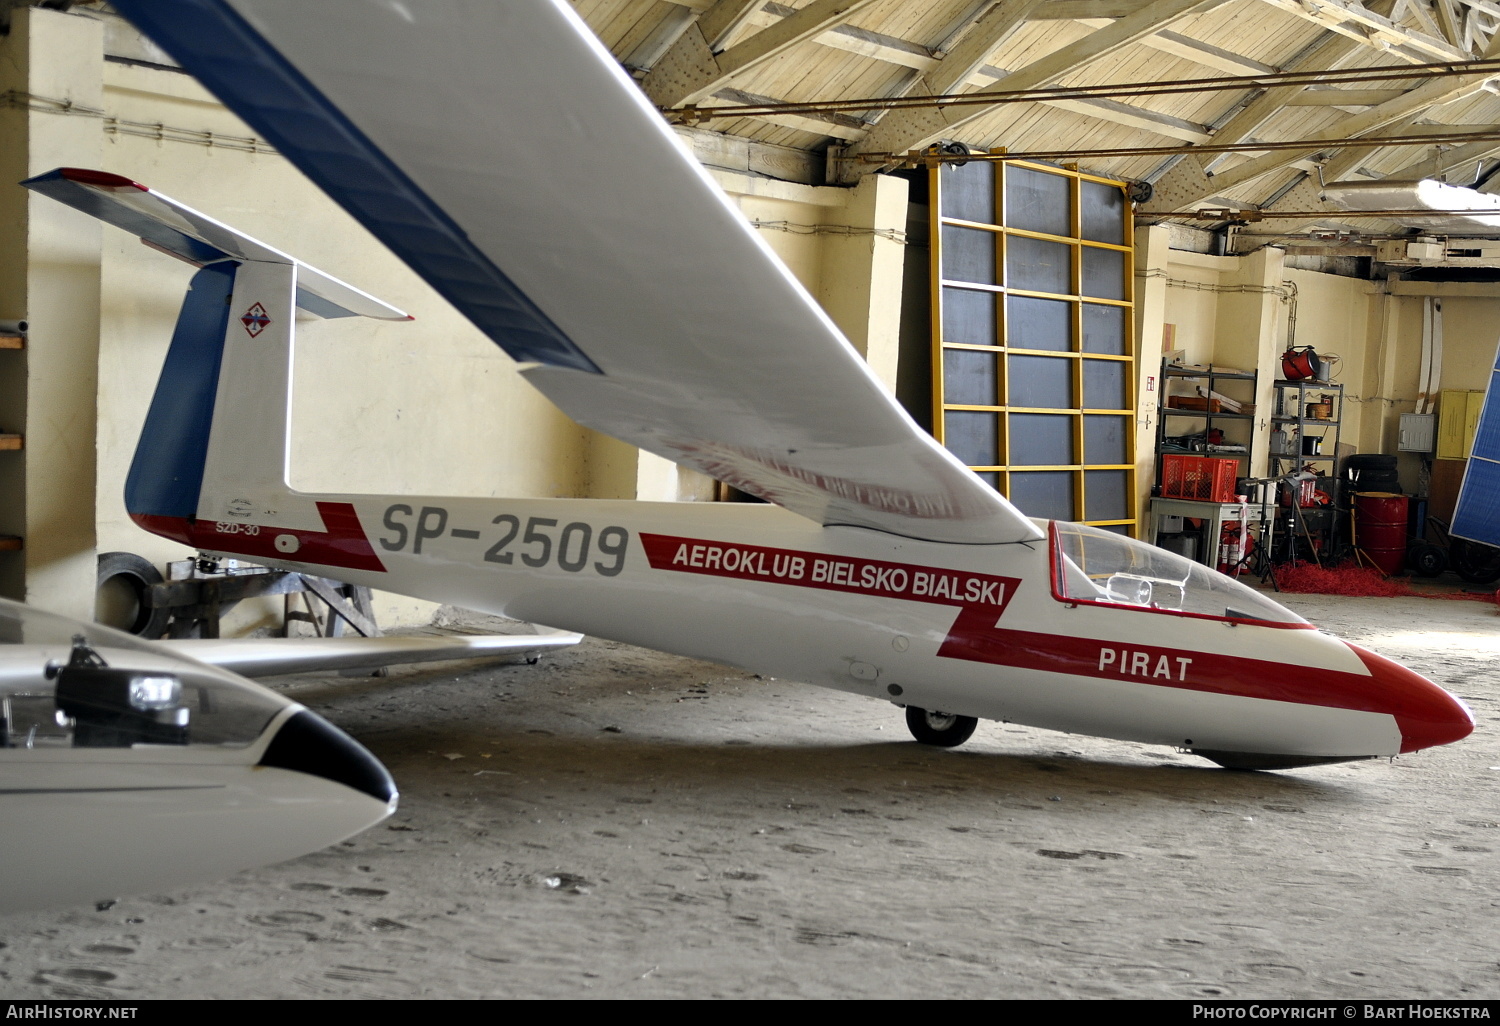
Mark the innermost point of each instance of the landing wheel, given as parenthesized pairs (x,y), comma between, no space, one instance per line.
(943,730)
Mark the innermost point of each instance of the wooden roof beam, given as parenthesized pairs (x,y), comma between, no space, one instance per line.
(1187,183)
(1077,10)
(853,39)
(913,129)
(1431,94)
(1366,26)
(1136,117)
(1190,49)
(1347,161)
(837,126)
(1438,164)
(691,70)
(1332,96)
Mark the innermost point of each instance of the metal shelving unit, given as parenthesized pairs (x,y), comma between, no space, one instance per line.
(1167,413)
(1290,416)
(1296,392)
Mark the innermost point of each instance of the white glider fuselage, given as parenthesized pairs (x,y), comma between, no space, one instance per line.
(988,631)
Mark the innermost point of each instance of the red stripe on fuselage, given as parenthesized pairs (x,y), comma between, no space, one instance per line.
(827,571)
(1425,714)
(343,543)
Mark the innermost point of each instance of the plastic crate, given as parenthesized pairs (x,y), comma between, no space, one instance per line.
(1198,477)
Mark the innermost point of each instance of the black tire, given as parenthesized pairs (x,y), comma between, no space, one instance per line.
(955,149)
(1474,562)
(120,595)
(942,730)
(1426,559)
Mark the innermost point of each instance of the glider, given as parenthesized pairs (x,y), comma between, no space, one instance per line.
(468,138)
(125,767)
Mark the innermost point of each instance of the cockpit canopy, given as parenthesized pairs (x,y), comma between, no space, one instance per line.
(1095,567)
(68,684)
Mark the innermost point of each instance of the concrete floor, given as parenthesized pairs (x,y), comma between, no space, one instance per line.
(619,823)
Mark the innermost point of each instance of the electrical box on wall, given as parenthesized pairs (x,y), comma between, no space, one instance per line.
(1418,432)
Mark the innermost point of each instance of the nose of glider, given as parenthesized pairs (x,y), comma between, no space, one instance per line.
(307,743)
(1426,714)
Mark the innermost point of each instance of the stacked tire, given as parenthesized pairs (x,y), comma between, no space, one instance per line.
(1371,472)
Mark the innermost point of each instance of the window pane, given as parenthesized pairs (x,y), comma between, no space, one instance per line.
(1103,273)
(1104,329)
(1104,212)
(1045,381)
(1104,385)
(968,255)
(969,316)
(1038,202)
(973,437)
(1038,265)
(968,192)
(1041,439)
(1104,439)
(969,377)
(1104,495)
(1039,323)
(1044,493)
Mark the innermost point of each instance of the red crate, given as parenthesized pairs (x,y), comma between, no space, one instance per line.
(1205,478)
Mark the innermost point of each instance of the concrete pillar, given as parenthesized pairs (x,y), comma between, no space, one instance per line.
(1248,336)
(861,275)
(1151,247)
(50,275)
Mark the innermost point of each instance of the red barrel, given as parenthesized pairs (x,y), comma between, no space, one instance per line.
(1380,529)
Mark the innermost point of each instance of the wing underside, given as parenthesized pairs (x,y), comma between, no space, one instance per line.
(272,656)
(501,152)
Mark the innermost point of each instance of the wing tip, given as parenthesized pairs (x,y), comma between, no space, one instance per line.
(99,179)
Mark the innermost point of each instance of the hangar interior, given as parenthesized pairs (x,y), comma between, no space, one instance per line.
(1241,272)
(619,843)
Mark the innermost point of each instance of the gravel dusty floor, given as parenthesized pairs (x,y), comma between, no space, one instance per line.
(618,823)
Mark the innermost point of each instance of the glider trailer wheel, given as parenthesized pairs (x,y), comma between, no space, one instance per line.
(120,596)
(1474,561)
(943,730)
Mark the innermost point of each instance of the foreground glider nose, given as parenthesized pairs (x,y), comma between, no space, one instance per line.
(1426,714)
(307,743)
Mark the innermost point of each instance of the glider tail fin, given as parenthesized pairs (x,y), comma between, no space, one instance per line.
(214,446)
(215,443)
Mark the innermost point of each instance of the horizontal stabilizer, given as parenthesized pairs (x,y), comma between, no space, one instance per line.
(163,223)
(257,657)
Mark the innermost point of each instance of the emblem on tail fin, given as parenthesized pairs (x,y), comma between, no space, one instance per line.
(255,320)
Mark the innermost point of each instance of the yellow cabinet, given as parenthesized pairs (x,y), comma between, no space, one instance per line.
(1458,413)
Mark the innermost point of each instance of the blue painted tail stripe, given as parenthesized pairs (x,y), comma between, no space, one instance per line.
(167,472)
(240,67)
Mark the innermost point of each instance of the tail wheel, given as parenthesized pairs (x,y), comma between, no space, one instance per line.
(940,729)
(120,595)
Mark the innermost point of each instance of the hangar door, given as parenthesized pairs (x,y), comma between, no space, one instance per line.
(1033,347)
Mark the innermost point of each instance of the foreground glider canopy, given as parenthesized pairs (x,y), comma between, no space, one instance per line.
(125,767)
(468,138)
